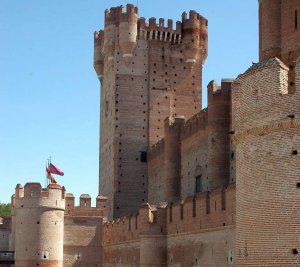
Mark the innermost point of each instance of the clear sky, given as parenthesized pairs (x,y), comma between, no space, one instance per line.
(49,92)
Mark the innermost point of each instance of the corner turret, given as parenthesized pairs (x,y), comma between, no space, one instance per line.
(194,37)
(99,54)
(120,28)
(128,32)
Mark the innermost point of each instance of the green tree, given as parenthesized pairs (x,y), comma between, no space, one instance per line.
(5,210)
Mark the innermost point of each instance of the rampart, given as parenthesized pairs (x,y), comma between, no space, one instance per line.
(83,230)
(163,224)
(85,208)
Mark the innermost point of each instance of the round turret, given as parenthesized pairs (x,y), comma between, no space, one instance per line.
(267,135)
(194,37)
(269,28)
(39,225)
(128,32)
(290,30)
(98,54)
(110,33)
(279,30)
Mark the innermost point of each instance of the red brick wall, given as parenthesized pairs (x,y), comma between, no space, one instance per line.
(150,236)
(156,173)
(267,170)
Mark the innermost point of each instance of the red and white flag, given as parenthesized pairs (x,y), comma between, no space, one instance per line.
(55,170)
(50,177)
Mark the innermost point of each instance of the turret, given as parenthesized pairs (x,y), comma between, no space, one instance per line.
(279,29)
(120,27)
(39,224)
(194,37)
(218,157)
(269,29)
(99,54)
(110,33)
(172,158)
(128,32)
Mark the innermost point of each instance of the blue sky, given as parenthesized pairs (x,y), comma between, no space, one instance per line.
(49,93)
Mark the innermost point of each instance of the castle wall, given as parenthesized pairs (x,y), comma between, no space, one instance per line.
(156,173)
(267,136)
(201,230)
(199,150)
(196,231)
(5,234)
(138,240)
(194,137)
(82,241)
(207,248)
(39,225)
(83,231)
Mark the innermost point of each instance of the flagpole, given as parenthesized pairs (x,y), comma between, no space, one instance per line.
(50,173)
(46,176)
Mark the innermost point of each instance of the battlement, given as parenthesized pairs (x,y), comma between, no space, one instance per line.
(152,30)
(193,18)
(118,14)
(204,211)
(197,122)
(85,208)
(217,93)
(33,195)
(150,220)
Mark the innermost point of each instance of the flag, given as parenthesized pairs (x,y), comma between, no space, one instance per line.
(55,170)
(50,177)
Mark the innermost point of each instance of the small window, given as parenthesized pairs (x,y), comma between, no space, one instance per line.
(181,211)
(198,184)
(194,207)
(144,157)
(296,19)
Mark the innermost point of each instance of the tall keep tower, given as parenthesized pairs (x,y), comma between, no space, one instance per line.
(148,71)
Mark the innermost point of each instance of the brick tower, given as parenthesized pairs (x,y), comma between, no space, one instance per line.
(279,29)
(266,123)
(39,225)
(147,72)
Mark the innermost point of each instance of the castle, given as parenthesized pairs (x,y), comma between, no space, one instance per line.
(180,186)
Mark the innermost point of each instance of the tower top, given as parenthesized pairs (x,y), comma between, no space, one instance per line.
(279,30)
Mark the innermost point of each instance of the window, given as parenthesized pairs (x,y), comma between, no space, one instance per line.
(198,188)
(144,157)
(296,19)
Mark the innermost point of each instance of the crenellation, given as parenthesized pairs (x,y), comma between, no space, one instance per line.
(207,207)
(197,122)
(181,186)
(19,191)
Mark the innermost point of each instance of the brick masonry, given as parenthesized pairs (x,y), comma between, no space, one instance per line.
(244,148)
(148,72)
